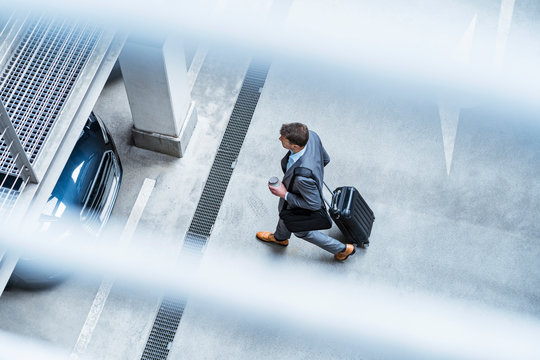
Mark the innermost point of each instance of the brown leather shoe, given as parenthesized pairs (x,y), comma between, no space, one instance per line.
(269,237)
(342,256)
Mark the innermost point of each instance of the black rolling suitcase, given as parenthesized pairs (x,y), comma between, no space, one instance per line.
(351,214)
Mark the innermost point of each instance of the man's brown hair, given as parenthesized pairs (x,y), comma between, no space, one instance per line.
(296,133)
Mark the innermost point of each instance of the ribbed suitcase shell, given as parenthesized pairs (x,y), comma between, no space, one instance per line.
(352,214)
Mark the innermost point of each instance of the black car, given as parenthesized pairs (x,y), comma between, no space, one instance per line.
(83,196)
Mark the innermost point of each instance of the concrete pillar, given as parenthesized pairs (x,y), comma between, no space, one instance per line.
(155,76)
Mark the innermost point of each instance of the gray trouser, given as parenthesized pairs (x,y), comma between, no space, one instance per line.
(318,238)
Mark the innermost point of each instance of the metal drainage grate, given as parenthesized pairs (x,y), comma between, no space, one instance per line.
(39,77)
(222,168)
(171,309)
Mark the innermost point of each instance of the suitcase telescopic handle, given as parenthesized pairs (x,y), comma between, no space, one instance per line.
(327,187)
(327,203)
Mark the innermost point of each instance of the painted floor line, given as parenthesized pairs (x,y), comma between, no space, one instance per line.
(106,285)
(196,65)
(503,31)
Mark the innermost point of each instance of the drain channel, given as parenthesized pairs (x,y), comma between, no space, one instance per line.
(171,310)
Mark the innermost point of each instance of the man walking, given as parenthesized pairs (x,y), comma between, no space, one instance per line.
(305,150)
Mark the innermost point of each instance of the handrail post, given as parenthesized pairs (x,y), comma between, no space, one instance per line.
(15,148)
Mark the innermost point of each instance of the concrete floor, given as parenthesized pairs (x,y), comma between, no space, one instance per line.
(470,235)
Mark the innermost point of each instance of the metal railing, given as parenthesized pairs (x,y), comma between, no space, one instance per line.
(40,75)
(35,83)
(19,170)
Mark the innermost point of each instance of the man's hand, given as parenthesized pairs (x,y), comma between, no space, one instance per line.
(278,190)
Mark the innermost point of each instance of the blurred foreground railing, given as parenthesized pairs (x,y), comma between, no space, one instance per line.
(374,320)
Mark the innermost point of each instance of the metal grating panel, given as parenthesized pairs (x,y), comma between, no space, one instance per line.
(39,77)
(164,329)
(171,310)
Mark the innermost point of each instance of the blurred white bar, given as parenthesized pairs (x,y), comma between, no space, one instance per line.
(16,347)
(397,41)
(379,319)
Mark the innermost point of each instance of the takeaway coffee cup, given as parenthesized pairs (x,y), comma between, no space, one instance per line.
(273,181)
